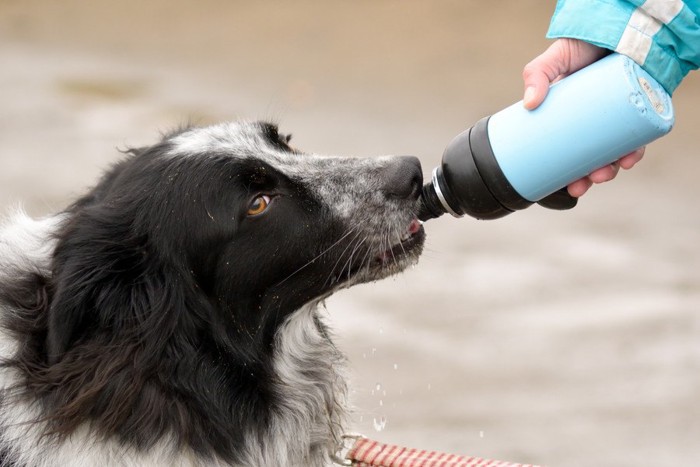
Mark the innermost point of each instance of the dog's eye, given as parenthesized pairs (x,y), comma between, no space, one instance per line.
(259,205)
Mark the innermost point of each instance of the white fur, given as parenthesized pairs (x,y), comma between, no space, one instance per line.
(26,244)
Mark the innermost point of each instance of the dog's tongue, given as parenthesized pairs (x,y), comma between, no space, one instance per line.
(414,226)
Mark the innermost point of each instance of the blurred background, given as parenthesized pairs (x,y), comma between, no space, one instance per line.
(564,339)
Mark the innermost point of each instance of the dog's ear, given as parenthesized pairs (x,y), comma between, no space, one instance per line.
(88,259)
(109,288)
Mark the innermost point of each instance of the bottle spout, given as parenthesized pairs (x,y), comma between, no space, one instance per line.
(429,205)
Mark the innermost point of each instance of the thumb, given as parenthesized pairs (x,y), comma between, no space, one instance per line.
(536,88)
(541,72)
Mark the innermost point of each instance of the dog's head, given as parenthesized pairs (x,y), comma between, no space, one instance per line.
(232,218)
(179,300)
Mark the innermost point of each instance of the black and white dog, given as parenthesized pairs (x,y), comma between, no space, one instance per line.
(169,317)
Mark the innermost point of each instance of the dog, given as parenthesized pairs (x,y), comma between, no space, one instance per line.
(170,316)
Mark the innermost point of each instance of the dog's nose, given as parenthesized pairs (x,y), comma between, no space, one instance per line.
(402,178)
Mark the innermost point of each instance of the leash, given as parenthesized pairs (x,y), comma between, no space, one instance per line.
(365,452)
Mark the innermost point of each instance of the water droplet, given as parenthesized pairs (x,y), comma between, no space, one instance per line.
(378,387)
(381,331)
(481,434)
(381,403)
(380,424)
(396,366)
(430,386)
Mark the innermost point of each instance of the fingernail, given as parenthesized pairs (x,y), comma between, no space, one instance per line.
(529,96)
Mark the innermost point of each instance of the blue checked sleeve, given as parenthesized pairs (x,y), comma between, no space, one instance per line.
(662,36)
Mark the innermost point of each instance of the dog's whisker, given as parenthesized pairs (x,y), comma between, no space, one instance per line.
(352,254)
(398,236)
(366,260)
(340,257)
(311,261)
(348,262)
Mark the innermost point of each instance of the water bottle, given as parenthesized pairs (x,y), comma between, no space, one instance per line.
(517,157)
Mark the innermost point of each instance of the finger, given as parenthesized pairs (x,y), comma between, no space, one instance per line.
(562,58)
(579,187)
(605,174)
(629,161)
(536,90)
(540,72)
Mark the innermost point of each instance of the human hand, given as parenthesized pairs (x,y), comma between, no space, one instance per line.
(562,58)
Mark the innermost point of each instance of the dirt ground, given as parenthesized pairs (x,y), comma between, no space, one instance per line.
(564,339)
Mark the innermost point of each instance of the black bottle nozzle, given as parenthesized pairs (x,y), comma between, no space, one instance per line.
(429,206)
(433,201)
(470,181)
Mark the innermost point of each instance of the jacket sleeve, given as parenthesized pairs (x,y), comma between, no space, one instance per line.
(662,36)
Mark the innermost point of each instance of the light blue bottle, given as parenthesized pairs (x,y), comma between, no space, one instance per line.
(516,157)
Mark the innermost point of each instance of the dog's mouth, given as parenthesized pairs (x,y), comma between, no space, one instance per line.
(411,239)
(376,259)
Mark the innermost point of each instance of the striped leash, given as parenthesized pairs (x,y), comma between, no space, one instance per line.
(365,452)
